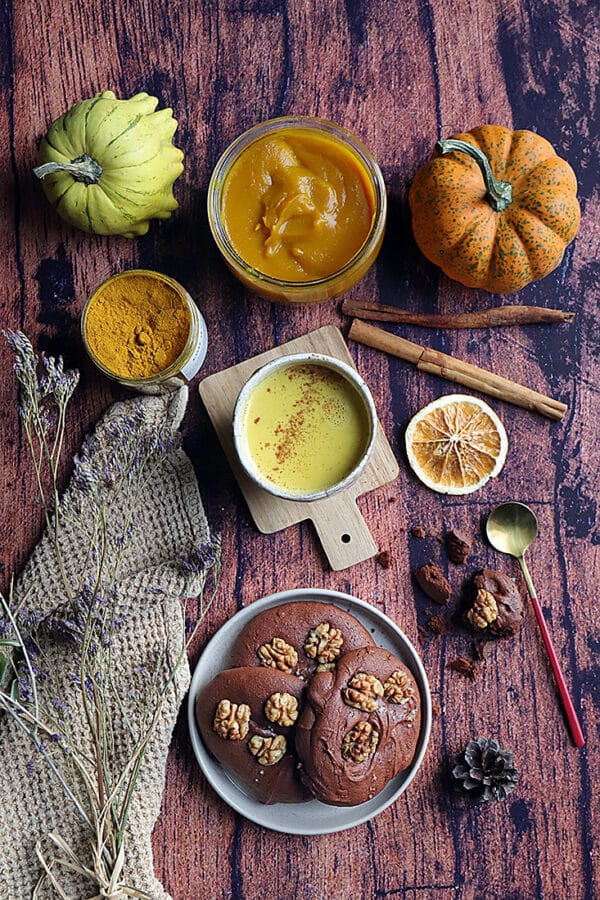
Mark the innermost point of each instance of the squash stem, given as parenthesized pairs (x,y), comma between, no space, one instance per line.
(84,168)
(498,193)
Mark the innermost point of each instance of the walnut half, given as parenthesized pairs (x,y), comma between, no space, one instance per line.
(396,688)
(363,692)
(484,610)
(361,742)
(278,655)
(231,721)
(267,750)
(282,708)
(324,643)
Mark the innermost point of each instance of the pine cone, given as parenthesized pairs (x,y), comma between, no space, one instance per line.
(485,771)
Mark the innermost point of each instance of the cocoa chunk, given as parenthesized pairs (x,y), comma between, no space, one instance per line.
(418,532)
(432,582)
(422,634)
(465,667)
(458,546)
(439,624)
(384,559)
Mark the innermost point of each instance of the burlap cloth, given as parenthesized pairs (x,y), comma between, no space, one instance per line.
(167,525)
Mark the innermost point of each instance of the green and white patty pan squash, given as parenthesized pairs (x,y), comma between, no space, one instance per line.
(108,166)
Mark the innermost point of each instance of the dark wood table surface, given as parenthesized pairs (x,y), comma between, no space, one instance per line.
(400,75)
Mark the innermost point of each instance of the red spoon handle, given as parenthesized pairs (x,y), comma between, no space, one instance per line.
(574,726)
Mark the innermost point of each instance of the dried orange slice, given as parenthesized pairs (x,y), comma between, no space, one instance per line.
(455,444)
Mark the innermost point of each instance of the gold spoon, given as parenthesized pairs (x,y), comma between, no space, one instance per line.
(512,528)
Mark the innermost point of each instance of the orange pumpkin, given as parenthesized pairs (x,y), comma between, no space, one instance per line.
(495,208)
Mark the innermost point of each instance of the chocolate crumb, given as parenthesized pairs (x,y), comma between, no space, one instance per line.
(384,559)
(436,709)
(432,582)
(392,499)
(422,635)
(458,546)
(465,667)
(440,624)
(417,531)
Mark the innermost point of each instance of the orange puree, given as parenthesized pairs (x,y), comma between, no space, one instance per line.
(297,206)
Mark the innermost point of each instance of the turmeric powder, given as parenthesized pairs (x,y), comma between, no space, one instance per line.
(136,324)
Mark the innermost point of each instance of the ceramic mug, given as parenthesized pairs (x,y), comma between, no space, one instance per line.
(304,426)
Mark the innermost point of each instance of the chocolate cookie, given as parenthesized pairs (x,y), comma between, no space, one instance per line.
(246,717)
(303,637)
(359,727)
(497,608)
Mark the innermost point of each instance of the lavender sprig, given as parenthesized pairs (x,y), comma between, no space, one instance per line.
(55,386)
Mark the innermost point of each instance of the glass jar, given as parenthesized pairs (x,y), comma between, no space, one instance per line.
(188,362)
(300,291)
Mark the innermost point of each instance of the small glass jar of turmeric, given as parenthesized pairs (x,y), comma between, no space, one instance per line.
(143,329)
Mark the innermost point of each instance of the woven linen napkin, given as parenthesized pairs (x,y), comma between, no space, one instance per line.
(167,527)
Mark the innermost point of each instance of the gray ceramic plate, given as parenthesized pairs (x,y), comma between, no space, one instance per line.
(313,817)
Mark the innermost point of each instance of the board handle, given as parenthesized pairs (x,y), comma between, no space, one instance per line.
(343,533)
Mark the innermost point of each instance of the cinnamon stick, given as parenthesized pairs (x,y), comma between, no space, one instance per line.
(453,369)
(485,318)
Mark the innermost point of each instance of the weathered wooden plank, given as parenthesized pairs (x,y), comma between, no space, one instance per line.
(400,76)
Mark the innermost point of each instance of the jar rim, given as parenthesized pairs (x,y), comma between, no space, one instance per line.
(173,368)
(312,123)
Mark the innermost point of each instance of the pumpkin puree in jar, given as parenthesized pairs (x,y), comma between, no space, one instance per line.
(297,206)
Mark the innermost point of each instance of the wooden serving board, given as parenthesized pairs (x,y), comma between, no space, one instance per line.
(340,526)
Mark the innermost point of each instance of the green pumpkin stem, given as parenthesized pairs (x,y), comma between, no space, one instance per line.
(499,193)
(84,168)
